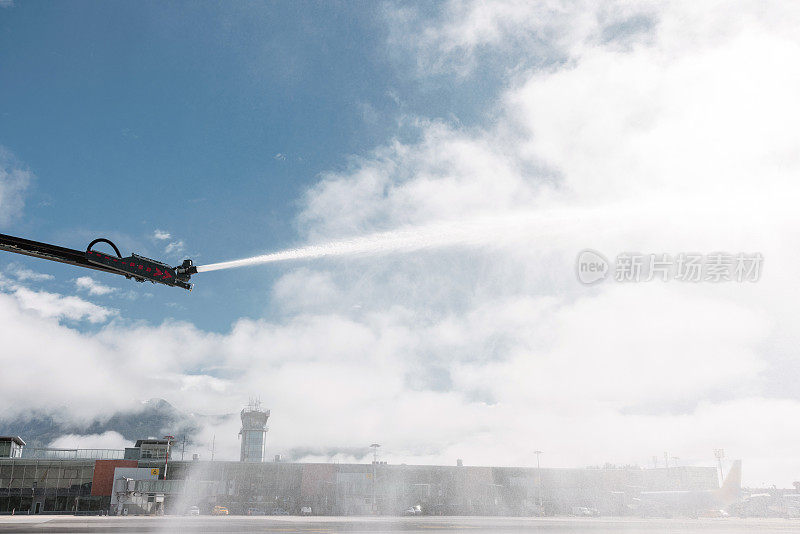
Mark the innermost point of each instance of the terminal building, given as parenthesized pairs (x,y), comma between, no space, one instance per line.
(132,481)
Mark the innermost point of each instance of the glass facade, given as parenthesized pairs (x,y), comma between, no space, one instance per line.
(72,454)
(50,486)
(252,445)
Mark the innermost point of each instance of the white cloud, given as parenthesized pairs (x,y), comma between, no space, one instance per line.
(23,274)
(14,182)
(646,148)
(175,247)
(512,32)
(106,440)
(305,290)
(51,305)
(90,285)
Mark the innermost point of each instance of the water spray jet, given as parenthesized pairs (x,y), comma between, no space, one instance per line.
(478,231)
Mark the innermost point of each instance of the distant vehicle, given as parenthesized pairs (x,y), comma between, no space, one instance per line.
(193,510)
(279,511)
(219,510)
(713,513)
(255,511)
(413,510)
(585,511)
(305,510)
(694,503)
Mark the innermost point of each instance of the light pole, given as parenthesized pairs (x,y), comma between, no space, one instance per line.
(719,454)
(539,480)
(374,447)
(166,460)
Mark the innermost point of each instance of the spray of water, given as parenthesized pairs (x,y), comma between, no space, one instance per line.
(479,231)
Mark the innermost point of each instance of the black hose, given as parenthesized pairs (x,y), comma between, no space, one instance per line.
(103,240)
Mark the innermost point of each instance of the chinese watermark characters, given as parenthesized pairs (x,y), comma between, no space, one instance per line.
(715,267)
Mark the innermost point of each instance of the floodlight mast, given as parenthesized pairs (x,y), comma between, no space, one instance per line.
(166,458)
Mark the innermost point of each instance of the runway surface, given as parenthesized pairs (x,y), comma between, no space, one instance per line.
(333,525)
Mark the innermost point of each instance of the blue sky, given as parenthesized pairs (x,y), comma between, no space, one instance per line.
(206,120)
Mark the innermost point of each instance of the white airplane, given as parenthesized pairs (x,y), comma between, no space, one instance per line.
(694,503)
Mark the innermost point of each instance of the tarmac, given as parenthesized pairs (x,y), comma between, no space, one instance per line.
(331,525)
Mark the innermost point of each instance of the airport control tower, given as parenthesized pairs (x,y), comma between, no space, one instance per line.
(253,432)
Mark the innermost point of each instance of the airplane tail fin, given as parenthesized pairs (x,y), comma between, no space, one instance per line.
(732,485)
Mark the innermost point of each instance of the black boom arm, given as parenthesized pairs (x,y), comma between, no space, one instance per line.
(134,266)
